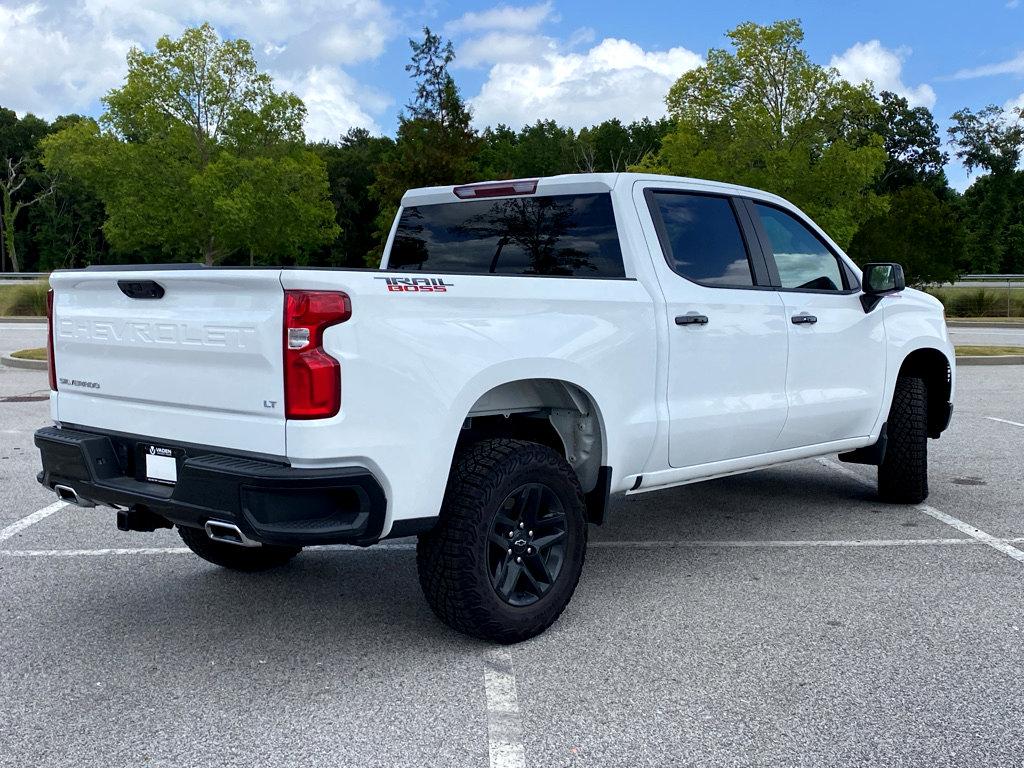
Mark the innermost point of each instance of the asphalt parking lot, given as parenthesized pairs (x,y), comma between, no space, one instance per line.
(781,617)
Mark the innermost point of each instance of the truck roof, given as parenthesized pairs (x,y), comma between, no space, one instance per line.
(565,184)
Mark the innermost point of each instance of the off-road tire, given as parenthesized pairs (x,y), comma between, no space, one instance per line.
(452,558)
(903,474)
(236,557)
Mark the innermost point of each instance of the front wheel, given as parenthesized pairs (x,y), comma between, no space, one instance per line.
(903,474)
(507,553)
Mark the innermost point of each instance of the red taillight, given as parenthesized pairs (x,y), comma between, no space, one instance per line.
(49,340)
(312,378)
(496,189)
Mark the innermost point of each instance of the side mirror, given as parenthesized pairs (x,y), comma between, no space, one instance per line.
(881,278)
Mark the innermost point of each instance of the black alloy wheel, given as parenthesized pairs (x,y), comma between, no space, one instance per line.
(527,544)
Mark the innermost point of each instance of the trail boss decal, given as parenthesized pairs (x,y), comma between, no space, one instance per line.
(420,285)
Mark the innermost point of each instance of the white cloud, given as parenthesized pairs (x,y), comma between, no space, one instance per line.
(615,78)
(1013,105)
(58,56)
(495,47)
(507,17)
(45,69)
(336,102)
(352,30)
(1014,66)
(883,67)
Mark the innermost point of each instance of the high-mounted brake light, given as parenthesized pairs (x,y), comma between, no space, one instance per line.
(50,364)
(496,189)
(312,378)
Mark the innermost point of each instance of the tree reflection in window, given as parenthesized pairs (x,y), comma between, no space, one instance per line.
(537,226)
(561,235)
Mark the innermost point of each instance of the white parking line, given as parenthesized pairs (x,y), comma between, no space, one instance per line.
(776,543)
(99,551)
(503,723)
(1002,545)
(9,531)
(654,544)
(1006,421)
(973,531)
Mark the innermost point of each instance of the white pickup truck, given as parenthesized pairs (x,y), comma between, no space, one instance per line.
(526,349)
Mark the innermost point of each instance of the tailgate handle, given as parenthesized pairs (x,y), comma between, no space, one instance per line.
(141,289)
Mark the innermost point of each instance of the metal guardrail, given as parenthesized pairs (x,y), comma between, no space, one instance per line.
(1009,278)
(24,275)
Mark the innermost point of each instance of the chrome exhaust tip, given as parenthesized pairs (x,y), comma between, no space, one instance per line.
(68,494)
(222,531)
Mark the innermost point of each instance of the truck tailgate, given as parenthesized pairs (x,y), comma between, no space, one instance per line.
(201,362)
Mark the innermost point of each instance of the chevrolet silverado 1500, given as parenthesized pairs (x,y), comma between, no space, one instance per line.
(526,350)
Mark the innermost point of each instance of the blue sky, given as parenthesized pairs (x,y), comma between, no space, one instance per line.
(577,62)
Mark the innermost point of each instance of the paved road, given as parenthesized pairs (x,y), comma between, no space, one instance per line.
(992,335)
(782,617)
(18,336)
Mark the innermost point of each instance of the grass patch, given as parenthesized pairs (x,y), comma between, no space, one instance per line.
(33,353)
(968,302)
(980,349)
(23,299)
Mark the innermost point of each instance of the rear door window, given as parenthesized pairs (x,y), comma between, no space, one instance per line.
(557,235)
(701,239)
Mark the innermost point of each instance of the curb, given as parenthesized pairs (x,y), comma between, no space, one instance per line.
(990,360)
(35,365)
(23,319)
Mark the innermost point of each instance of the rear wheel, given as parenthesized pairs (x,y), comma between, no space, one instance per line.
(507,553)
(235,557)
(903,474)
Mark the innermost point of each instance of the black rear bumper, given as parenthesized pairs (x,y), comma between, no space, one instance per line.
(270,502)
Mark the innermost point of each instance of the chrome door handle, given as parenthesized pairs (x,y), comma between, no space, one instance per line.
(803,319)
(691,319)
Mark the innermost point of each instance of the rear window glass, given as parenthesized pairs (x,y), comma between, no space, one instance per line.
(703,240)
(566,235)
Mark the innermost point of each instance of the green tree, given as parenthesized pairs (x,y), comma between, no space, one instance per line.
(920,231)
(436,143)
(766,116)
(545,149)
(497,153)
(988,139)
(65,229)
(912,144)
(992,211)
(993,207)
(189,116)
(542,149)
(22,184)
(269,208)
(351,165)
(611,146)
